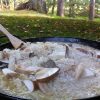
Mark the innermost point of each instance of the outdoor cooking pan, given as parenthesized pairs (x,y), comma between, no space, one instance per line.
(90,43)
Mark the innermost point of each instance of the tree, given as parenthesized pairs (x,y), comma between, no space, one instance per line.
(1,4)
(71,8)
(60,7)
(37,5)
(92,10)
(4,4)
(15,4)
(97,6)
(53,6)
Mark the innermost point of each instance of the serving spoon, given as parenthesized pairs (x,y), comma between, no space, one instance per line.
(14,41)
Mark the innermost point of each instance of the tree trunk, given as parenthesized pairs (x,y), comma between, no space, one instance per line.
(37,5)
(92,10)
(1,4)
(60,7)
(15,4)
(53,7)
(4,4)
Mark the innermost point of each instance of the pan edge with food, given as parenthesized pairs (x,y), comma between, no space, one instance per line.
(94,44)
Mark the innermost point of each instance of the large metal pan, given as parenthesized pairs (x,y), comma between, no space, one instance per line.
(90,43)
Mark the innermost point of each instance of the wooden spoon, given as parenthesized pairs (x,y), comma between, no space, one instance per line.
(15,41)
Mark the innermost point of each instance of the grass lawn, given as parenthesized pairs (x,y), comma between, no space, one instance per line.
(21,13)
(32,24)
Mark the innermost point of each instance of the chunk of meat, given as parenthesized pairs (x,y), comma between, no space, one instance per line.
(82,50)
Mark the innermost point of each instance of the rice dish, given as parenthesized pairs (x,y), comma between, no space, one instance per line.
(78,76)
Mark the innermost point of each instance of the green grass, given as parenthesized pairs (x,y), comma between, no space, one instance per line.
(21,13)
(35,14)
(37,25)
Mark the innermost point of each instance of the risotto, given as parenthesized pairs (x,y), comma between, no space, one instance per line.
(77,69)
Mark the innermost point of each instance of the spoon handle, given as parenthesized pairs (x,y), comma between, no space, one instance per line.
(15,41)
(4,30)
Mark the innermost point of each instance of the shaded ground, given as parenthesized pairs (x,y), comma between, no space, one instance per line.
(30,24)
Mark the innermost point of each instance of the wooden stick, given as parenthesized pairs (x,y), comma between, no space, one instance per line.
(15,41)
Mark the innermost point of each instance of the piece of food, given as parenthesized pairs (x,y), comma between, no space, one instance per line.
(82,50)
(12,63)
(5,55)
(88,73)
(44,88)
(98,54)
(79,71)
(49,64)
(67,51)
(46,73)
(1,55)
(9,73)
(27,70)
(82,72)
(29,84)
